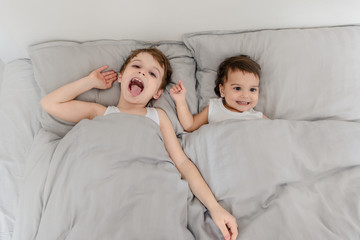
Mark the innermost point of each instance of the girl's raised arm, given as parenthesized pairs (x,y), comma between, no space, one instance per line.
(188,121)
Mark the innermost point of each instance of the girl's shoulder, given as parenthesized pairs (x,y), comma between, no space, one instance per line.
(215,101)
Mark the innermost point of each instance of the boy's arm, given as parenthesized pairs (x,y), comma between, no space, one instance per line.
(198,186)
(188,121)
(60,103)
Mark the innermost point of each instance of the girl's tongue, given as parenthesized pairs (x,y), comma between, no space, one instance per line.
(136,87)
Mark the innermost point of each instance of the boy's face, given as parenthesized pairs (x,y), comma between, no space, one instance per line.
(241,91)
(141,79)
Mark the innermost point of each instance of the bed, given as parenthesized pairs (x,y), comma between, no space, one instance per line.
(295,175)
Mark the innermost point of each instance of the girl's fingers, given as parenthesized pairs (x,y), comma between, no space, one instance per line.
(174,89)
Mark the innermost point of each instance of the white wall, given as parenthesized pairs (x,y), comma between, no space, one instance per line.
(1,72)
(26,22)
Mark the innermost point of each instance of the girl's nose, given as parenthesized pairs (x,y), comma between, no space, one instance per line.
(244,94)
(140,72)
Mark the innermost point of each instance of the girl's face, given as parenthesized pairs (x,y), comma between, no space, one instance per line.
(141,79)
(240,91)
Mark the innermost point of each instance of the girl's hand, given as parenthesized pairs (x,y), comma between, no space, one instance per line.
(225,222)
(103,80)
(178,92)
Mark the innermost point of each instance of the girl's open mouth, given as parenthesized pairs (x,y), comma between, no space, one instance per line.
(136,86)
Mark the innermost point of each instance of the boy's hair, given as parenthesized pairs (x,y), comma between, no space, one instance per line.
(159,57)
(241,63)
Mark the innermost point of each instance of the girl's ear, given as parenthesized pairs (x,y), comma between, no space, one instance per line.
(221,90)
(158,94)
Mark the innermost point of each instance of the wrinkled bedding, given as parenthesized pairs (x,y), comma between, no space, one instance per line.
(281,179)
(296,177)
(111,178)
(108,178)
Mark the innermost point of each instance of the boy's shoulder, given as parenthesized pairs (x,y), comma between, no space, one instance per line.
(162,114)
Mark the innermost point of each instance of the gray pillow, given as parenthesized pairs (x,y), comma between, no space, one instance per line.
(308,74)
(61,62)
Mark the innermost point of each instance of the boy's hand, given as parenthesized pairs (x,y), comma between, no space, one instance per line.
(103,80)
(225,222)
(178,92)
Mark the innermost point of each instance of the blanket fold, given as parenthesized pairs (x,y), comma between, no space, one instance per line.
(109,178)
(267,168)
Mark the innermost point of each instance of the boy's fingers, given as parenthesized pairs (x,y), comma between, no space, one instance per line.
(100,69)
(109,76)
(225,231)
(109,73)
(233,229)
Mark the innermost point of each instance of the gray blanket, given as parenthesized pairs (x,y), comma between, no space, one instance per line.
(108,178)
(111,178)
(281,179)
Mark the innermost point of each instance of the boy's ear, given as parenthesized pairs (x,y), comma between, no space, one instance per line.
(221,90)
(119,77)
(158,94)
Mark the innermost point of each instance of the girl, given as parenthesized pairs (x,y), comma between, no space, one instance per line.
(237,85)
(143,77)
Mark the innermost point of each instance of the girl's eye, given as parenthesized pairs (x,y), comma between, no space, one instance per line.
(153,74)
(253,90)
(237,88)
(136,66)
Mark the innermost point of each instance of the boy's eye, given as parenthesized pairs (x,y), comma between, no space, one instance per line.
(153,74)
(237,88)
(253,90)
(136,66)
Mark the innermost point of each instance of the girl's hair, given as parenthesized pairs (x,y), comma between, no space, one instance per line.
(159,57)
(241,63)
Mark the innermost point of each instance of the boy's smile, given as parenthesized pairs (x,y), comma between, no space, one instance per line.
(142,78)
(136,86)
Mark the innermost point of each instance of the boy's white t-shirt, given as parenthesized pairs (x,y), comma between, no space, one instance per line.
(150,113)
(218,112)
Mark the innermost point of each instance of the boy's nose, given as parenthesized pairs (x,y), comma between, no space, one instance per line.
(140,72)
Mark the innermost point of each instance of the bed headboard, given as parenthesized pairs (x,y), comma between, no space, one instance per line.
(23,22)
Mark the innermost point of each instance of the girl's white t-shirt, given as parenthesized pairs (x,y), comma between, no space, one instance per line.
(218,112)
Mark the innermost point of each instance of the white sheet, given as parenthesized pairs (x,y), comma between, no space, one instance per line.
(19,114)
